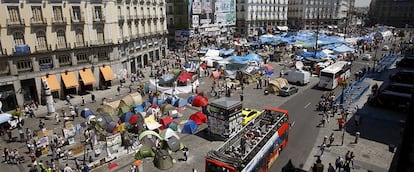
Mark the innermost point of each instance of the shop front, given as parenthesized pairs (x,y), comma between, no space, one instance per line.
(87,80)
(54,86)
(8,99)
(28,91)
(106,76)
(70,81)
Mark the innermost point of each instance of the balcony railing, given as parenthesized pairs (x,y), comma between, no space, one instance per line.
(59,21)
(38,22)
(79,44)
(79,20)
(121,18)
(15,22)
(43,48)
(99,19)
(130,18)
(101,42)
(62,46)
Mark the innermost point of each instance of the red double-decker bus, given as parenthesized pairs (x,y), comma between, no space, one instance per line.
(255,147)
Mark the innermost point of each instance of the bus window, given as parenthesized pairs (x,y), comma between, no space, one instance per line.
(330,75)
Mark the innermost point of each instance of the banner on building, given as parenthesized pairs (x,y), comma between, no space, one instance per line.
(195,21)
(197,7)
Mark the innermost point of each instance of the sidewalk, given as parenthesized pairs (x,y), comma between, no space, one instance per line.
(379,128)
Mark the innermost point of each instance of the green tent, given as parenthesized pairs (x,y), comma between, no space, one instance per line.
(149,132)
(144,151)
(123,109)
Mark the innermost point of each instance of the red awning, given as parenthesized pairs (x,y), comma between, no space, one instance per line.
(185,76)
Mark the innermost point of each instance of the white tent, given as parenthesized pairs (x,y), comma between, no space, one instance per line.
(213,53)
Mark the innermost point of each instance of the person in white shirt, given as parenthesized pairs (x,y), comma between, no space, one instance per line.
(67,169)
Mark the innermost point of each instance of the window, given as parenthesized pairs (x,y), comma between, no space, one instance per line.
(18,38)
(76,13)
(24,65)
(98,12)
(102,55)
(100,35)
(57,13)
(82,58)
(79,37)
(41,40)
(61,39)
(14,14)
(4,68)
(37,14)
(45,63)
(64,60)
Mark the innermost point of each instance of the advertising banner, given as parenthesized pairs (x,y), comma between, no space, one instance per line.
(195,21)
(206,7)
(197,7)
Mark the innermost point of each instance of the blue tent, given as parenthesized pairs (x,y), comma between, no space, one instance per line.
(253,56)
(126,116)
(139,108)
(190,99)
(86,112)
(189,127)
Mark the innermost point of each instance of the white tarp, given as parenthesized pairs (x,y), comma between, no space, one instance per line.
(169,90)
(213,53)
(282,28)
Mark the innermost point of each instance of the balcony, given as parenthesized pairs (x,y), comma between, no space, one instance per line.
(38,22)
(101,42)
(79,20)
(130,18)
(161,3)
(62,46)
(59,21)
(121,18)
(80,44)
(99,19)
(44,48)
(15,22)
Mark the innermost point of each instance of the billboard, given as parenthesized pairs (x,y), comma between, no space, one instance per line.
(212,12)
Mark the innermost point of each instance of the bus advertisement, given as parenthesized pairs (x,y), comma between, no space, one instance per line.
(331,76)
(255,148)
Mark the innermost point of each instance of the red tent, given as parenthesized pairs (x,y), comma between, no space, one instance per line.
(165,121)
(199,118)
(203,65)
(185,76)
(133,119)
(200,101)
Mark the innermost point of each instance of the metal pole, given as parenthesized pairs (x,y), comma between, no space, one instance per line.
(317,34)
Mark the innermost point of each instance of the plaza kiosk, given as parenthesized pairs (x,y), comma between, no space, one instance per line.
(225,117)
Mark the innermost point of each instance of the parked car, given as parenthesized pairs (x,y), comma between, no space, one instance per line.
(366,57)
(249,114)
(288,90)
(8,121)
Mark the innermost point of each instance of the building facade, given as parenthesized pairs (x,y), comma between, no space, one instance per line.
(305,14)
(257,17)
(76,45)
(397,13)
(191,21)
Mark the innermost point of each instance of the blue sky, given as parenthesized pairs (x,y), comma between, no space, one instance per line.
(362,3)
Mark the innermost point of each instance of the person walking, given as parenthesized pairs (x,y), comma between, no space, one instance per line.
(331,139)
(185,152)
(68,99)
(93,98)
(77,110)
(118,89)
(29,134)
(331,168)
(339,162)
(322,148)
(83,101)
(57,118)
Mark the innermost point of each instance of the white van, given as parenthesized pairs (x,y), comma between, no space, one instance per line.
(298,77)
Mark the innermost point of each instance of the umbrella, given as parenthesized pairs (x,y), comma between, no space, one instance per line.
(199,118)
(112,166)
(185,76)
(200,101)
(189,127)
(86,112)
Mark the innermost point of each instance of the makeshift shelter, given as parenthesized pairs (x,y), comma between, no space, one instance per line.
(184,77)
(215,75)
(199,101)
(123,109)
(113,105)
(165,121)
(106,109)
(275,85)
(126,116)
(151,123)
(139,108)
(144,152)
(134,98)
(134,119)
(199,118)
(163,160)
(86,112)
(111,126)
(102,121)
(168,133)
(166,107)
(189,127)
(149,133)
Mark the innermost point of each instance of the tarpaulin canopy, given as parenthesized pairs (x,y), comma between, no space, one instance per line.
(5,117)
(165,121)
(189,127)
(185,76)
(111,126)
(168,133)
(343,49)
(86,112)
(199,118)
(275,85)
(200,101)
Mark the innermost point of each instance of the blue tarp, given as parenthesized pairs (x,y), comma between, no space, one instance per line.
(190,99)
(253,56)
(189,127)
(343,49)
(319,54)
(139,108)
(226,52)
